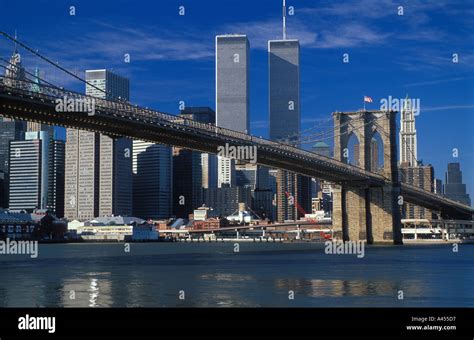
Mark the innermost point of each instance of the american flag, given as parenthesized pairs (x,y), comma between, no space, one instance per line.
(367,99)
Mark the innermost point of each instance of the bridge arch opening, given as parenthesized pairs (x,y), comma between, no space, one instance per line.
(351,153)
(376,154)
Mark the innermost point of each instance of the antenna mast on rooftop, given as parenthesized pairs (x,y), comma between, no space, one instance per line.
(284,19)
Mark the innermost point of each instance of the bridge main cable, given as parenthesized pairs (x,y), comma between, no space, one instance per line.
(49,61)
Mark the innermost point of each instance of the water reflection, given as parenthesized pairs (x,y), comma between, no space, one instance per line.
(356,288)
(94,293)
(224,290)
(95,275)
(226,277)
(90,290)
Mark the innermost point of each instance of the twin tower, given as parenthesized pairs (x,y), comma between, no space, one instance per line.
(232,85)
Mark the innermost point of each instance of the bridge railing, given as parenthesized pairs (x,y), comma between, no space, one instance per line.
(428,194)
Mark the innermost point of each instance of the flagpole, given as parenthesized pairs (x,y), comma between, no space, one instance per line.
(364,103)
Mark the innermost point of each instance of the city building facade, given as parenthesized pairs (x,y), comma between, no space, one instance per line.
(225,201)
(208,161)
(28,180)
(187,181)
(98,167)
(408,140)
(10,130)
(454,188)
(284,112)
(152,180)
(232,94)
(421,176)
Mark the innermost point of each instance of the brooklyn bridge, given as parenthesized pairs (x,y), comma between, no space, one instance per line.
(366,205)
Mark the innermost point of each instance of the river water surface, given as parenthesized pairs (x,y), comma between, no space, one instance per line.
(260,274)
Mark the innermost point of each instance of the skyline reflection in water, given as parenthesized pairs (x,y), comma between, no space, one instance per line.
(211,275)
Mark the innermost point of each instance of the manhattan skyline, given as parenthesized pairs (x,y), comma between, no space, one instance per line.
(389,55)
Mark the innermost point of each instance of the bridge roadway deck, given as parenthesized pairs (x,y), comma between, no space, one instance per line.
(119,119)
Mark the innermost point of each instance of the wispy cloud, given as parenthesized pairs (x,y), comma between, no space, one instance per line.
(448,108)
(259,32)
(437,81)
(375,9)
(144,44)
(350,35)
(107,45)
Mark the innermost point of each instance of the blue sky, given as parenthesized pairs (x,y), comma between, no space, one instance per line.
(172,56)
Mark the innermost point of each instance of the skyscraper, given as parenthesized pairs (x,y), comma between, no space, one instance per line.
(256,177)
(232,93)
(225,201)
(209,170)
(99,168)
(202,114)
(438,187)
(286,195)
(421,176)
(323,189)
(226,172)
(29,173)
(454,188)
(208,161)
(284,112)
(9,131)
(408,142)
(188,168)
(115,183)
(57,149)
(81,186)
(284,90)
(232,82)
(152,180)
(14,71)
(37,173)
(187,181)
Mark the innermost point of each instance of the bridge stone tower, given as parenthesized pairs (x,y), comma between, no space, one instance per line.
(360,211)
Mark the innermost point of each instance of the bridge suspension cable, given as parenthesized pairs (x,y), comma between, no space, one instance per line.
(19,43)
(29,73)
(326,134)
(323,135)
(341,134)
(315,126)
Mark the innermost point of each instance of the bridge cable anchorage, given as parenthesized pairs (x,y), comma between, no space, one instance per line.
(55,64)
